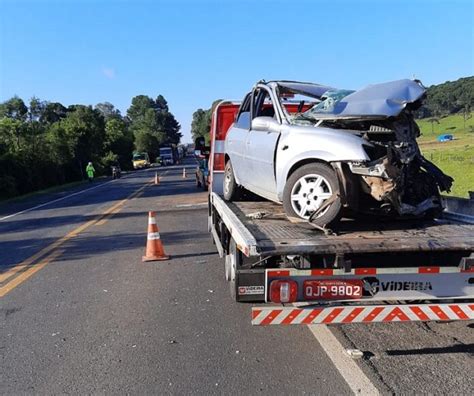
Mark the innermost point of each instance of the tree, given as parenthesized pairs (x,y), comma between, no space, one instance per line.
(448,98)
(118,141)
(84,133)
(14,108)
(53,112)
(108,110)
(148,133)
(11,131)
(152,124)
(36,109)
(201,123)
(140,104)
(170,127)
(161,104)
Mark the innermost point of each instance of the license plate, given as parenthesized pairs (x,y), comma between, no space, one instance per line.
(332,289)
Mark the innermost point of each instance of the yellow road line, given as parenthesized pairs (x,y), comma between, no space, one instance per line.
(116,208)
(27,263)
(29,272)
(113,209)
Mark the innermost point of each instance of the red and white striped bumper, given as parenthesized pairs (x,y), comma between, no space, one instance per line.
(361,314)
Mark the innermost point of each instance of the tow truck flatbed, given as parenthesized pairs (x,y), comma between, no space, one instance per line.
(270,232)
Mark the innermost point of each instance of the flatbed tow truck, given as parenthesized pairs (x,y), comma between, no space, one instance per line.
(371,271)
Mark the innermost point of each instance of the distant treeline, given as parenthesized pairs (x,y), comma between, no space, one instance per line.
(449,98)
(43,144)
(442,99)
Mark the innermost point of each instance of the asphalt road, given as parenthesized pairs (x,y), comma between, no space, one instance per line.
(90,317)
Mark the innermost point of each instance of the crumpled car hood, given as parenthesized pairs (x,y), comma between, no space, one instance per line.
(379,100)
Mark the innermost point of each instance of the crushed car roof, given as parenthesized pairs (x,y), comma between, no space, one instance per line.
(377,100)
(310,89)
(386,99)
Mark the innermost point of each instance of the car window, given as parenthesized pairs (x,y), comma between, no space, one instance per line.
(243,121)
(263,105)
(243,117)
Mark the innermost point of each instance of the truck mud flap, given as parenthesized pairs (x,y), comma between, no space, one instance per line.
(250,285)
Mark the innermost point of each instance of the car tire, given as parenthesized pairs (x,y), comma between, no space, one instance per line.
(307,189)
(232,191)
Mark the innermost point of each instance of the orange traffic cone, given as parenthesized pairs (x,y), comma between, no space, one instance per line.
(154,247)
(157,178)
(184,173)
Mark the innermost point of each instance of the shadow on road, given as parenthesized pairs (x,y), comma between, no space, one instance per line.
(176,256)
(53,221)
(105,192)
(459,348)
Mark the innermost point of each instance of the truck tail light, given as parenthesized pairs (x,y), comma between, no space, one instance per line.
(283,291)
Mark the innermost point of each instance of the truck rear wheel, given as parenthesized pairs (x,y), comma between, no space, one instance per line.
(233,261)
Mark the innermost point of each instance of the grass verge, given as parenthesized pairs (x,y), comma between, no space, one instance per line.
(456,157)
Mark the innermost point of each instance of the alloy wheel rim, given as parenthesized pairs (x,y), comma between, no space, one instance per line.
(309,193)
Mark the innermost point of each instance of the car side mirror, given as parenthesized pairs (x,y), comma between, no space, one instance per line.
(265,124)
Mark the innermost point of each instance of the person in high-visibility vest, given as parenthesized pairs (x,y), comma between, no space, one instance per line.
(90,171)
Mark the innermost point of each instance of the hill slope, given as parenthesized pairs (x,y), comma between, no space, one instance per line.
(456,158)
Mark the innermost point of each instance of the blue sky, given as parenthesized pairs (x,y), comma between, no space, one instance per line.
(193,52)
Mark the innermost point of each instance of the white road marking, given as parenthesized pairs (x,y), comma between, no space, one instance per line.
(191,205)
(347,367)
(55,200)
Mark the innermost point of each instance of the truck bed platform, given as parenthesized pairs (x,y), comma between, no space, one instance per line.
(265,230)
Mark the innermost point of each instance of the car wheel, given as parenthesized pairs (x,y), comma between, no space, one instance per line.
(307,189)
(232,191)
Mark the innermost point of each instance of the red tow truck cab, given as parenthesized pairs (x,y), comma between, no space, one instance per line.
(222,118)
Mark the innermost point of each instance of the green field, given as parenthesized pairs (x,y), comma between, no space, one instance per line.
(455,158)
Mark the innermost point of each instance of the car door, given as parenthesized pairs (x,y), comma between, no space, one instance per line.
(235,145)
(261,145)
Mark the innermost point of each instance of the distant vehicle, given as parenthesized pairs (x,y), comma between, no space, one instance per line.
(140,160)
(181,152)
(166,156)
(116,171)
(445,138)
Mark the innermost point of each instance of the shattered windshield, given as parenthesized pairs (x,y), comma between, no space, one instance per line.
(329,101)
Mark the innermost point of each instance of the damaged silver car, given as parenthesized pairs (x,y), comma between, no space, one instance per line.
(326,152)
